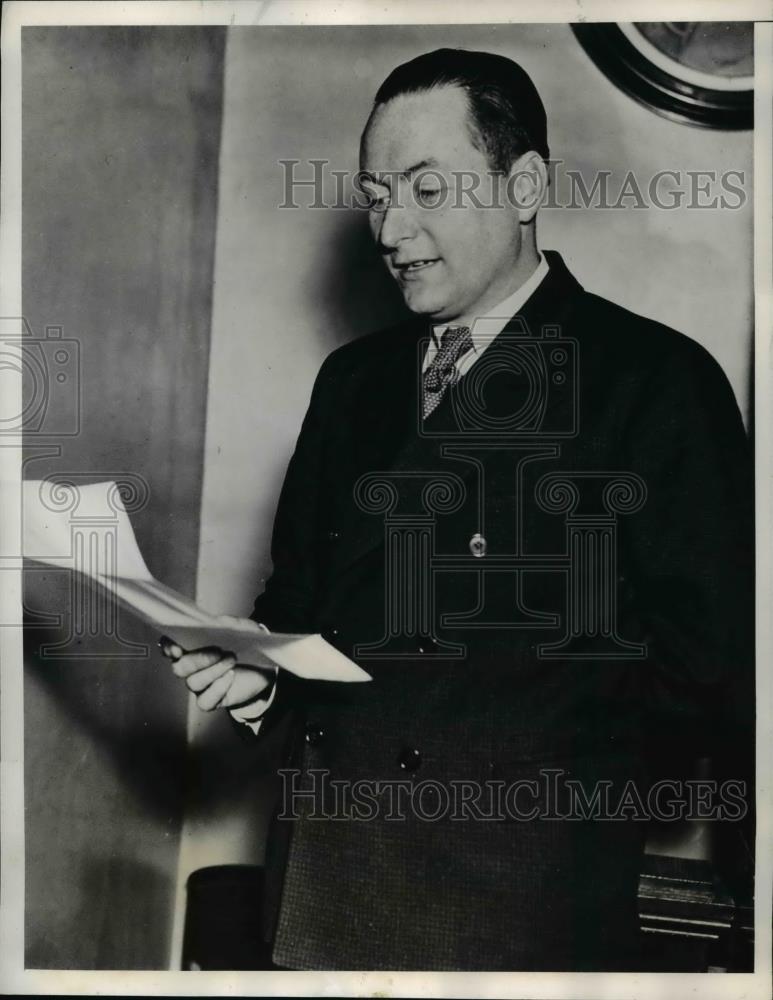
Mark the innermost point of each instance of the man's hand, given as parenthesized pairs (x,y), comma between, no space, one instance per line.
(213,675)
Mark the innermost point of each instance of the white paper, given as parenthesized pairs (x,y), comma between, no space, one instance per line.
(88,530)
(58,516)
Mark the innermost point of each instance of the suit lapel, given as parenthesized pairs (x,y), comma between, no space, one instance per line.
(386,400)
(390,436)
(549,306)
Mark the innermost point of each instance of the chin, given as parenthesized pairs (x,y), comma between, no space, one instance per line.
(424,305)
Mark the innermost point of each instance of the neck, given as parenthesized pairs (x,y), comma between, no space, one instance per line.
(525,266)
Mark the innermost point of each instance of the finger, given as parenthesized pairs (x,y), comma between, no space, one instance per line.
(169,648)
(198,659)
(248,684)
(212,696)
(203,678)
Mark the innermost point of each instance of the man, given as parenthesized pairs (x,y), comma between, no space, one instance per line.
(525,513)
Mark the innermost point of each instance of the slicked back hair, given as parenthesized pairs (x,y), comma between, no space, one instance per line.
(507,117)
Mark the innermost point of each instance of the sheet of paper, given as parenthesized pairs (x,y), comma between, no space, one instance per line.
(306,656)
(92,534)
(58,519)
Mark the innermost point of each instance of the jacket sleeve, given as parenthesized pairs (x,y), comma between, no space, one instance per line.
(288,601)
(690,589)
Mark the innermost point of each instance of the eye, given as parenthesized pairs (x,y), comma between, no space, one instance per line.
(428,195)
(376,201)
(429,187)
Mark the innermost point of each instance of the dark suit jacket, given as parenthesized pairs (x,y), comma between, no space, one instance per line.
(411,893)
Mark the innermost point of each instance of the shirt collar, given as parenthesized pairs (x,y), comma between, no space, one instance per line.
(485,328)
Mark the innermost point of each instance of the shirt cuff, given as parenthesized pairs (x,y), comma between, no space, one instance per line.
(251,715)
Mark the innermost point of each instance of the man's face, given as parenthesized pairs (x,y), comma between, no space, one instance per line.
(450,257)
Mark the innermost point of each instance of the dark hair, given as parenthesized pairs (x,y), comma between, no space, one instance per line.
(507,116)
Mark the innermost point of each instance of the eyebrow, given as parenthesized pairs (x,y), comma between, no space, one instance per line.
(429,162)
(421,165)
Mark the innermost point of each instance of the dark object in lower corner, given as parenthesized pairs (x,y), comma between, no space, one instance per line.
(223,920)
(689,920)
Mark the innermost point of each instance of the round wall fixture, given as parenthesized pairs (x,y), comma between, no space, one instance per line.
(698,72)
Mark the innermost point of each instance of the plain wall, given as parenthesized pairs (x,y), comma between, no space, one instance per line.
(121,131)
(292,285)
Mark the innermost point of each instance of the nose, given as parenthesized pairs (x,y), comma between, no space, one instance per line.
(397,224)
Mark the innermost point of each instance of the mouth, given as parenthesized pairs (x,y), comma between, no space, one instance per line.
(414,266)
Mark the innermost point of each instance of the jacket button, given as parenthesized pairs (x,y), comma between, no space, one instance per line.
(314,734)
(409,759)
(478,545)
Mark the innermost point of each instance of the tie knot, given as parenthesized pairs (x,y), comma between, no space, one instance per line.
(454,341)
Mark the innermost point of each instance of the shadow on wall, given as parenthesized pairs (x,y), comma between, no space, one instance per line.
(356,293)
(135,748)
(229,769)
(104,756)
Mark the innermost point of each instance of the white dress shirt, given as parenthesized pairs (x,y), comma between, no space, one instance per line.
(483,330)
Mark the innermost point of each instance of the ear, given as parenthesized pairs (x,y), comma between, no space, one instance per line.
(527,185)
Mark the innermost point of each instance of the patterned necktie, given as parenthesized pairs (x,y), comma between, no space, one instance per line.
(442,371)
